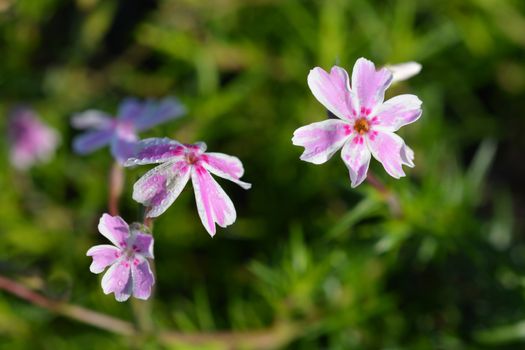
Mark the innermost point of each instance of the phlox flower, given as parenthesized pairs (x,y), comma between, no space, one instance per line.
(365,126)
(31,141)
(120,133)
(159,187)
(129,272)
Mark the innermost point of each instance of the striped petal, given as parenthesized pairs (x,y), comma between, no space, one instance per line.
(356,156)
(397,112)
(115,229)
(322,139)
(143,279)
(369,85)
(333,91)
(159,187)
(225,166)
(389,149)
(117,280)
(213,204)
(103,256)
(155,150)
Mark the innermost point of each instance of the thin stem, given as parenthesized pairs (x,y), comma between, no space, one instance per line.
(376,183)
(271,338)
(72,311)
(390,197)
(116,185)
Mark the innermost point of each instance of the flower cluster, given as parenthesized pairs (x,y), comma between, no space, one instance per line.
(129,272)
(364,126)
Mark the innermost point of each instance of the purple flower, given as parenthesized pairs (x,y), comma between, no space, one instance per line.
(159,187)
(31,140)
(129,272)
(121,132)
(366,124)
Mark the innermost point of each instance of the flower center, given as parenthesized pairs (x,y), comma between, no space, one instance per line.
(191,158)
(126,130)
(361,126)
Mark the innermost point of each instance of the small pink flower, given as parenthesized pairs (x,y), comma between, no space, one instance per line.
(159,187)
(129,272)
(31,140)
(366,124)
(121,132)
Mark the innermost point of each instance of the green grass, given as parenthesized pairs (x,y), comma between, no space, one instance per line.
(310,261)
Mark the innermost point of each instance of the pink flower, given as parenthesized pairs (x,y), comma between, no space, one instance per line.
(159,187)
(121,132)
(129,272)
(365,124)
(31,140)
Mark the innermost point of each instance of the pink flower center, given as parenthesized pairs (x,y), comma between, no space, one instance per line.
(126,130)
(191,158)
(361,126)
(129,252)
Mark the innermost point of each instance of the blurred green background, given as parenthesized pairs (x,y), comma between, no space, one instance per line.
(310,263)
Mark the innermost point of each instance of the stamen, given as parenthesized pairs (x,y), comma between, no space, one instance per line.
(191,158)
(362,126)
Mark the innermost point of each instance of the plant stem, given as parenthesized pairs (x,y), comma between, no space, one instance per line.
(116,185)
(274,337)
(390,197)
(72,311)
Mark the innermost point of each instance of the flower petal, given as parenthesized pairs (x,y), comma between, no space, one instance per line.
(213,204)
(115,229)
(143,244)
(143,279)
(130,109)
(122,149)
(397,112)
(356,155)
(389,149)
(407,155)
(322,139)
(404,71)
(92,140)
(117,280)
(225,166)
(156,113)
(155,150)
(159,187)
(332,90)
(197,147)
(91,119)
(103,256)
(369,85)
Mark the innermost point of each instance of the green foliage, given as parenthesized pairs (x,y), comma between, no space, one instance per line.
(436,262)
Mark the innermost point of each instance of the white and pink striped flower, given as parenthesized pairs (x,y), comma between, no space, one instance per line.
(365,126)
(159,187)
(129,272)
